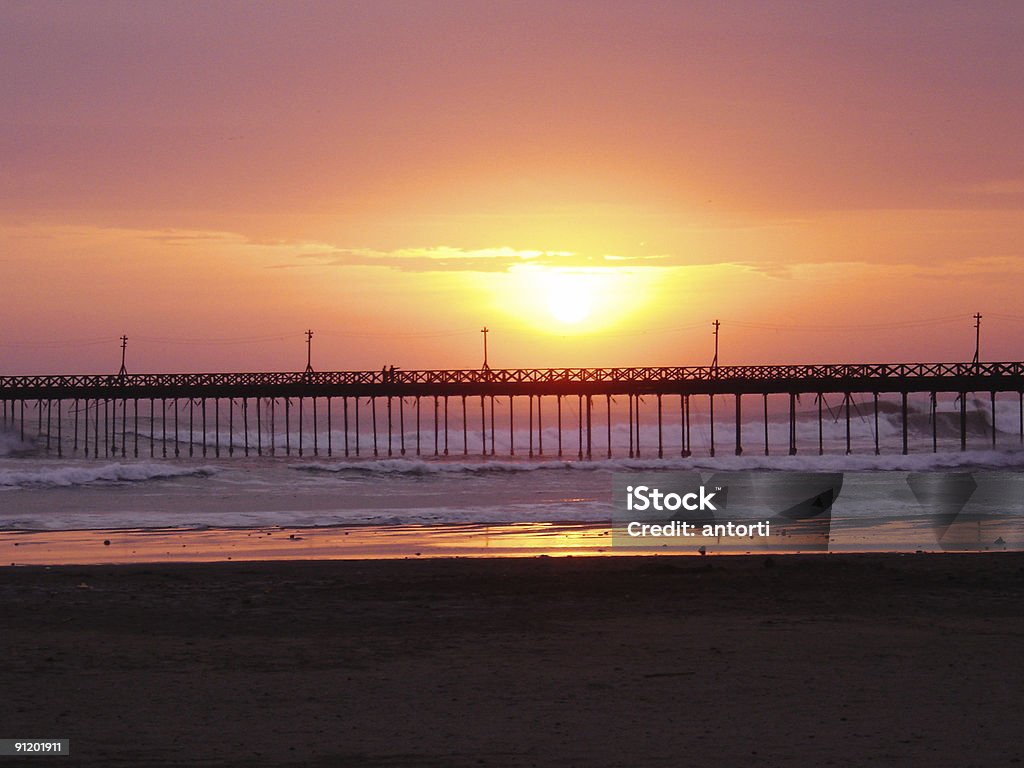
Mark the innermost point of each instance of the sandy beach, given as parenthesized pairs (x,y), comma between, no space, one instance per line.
(801,660)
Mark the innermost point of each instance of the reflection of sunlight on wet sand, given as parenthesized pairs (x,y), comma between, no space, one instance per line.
(354,542)
(479,540)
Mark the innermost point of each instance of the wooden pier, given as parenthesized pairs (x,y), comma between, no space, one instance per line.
(411,411)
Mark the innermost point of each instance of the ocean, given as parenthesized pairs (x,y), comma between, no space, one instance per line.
(40,491)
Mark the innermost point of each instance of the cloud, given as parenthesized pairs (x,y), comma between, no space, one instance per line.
(996,188)
(449,259)
(988,269)
(180,237)
(774,269)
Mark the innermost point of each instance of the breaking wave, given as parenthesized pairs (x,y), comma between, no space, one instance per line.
(84,474)
(12,445)
(1007,459)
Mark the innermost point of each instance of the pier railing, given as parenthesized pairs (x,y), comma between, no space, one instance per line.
(863,377)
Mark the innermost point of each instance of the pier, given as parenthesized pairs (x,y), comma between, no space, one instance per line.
(459,412)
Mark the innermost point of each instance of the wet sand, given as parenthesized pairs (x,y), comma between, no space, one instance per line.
(132,546)
(803,660)
(355,542)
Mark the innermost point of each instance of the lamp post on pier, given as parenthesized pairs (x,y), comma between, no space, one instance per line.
(124,346)
(977,338)
(714,362)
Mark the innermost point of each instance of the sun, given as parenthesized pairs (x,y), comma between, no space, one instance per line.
(569,297)
(570,300)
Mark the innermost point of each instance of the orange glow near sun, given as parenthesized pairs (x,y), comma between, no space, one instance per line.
(572,300)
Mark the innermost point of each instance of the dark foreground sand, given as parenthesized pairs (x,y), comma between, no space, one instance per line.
(806,660)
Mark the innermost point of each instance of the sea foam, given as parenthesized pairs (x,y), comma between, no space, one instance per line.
(85,474)
(1006,459)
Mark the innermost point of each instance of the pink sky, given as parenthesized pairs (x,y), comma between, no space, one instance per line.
(594,181)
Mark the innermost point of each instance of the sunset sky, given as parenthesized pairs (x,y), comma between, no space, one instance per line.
(594,181)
